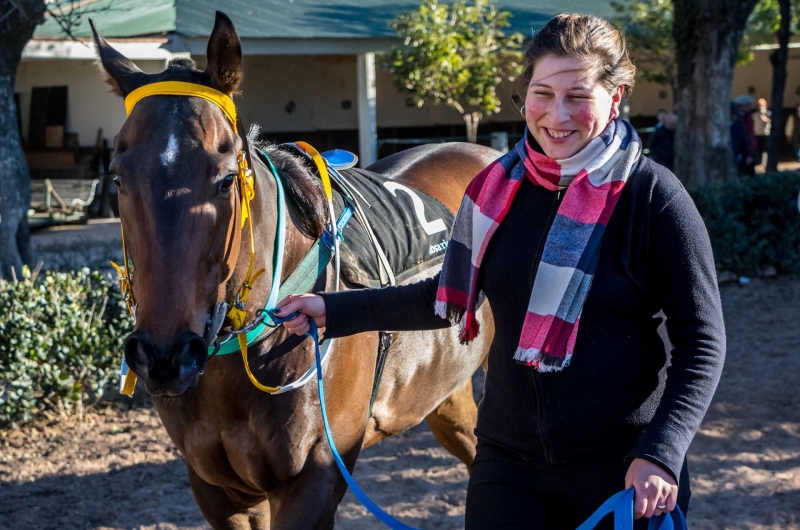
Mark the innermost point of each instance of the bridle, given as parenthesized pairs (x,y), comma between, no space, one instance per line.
(246,185)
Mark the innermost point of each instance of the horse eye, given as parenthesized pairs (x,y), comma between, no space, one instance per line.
(115,180)
(227,182)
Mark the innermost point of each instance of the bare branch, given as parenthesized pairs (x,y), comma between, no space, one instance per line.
(69,13)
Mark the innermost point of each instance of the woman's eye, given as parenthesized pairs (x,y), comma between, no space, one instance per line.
(227,182)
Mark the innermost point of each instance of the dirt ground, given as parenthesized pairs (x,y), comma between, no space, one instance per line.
(118,470)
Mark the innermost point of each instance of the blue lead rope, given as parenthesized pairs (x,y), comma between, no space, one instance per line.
(376,510)
(621,505)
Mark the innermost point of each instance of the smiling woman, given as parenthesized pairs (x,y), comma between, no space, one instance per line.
(577,241)
(576,74)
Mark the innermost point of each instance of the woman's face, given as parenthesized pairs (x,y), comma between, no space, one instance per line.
(565,108)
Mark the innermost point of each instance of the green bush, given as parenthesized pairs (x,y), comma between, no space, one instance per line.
(61,338)
(754,223)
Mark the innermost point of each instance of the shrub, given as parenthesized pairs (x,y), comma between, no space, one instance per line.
(61,336)
(754,223)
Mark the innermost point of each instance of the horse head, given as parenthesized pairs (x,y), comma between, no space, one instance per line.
(175,164)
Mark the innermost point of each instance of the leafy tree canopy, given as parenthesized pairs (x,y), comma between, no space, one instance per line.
(455,54)
(647,26)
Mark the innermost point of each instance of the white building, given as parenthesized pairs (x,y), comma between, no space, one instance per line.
(310,68)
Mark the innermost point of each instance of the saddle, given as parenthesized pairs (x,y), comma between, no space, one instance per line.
(401,231)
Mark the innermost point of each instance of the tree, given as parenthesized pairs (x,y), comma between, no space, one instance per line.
(457,55)
(18,20)
(778,58)
(707,35)
(693,47)
(648,29)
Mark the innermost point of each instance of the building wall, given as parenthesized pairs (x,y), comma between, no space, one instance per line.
(320,87)
(753,78)
(90,102)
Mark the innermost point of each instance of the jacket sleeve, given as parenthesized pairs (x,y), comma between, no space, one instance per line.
(399,308)
(685,281)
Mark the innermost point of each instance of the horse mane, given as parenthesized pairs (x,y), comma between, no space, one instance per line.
(302,186)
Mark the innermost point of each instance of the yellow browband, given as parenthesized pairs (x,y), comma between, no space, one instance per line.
(179,88)
(236,314)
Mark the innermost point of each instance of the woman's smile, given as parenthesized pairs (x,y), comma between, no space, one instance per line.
(557,135)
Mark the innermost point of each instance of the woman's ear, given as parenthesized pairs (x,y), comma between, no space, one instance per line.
(616,101)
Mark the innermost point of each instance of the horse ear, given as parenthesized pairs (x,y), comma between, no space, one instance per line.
(123,76)
(224,54)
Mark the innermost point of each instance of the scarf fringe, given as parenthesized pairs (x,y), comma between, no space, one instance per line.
(455,315)
(542,361)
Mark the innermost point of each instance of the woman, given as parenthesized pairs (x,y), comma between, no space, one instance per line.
(577,242)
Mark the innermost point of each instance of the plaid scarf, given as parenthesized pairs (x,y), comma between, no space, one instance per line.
(594,179)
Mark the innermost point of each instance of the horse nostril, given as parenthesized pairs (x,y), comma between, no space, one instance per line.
(135,353)
(193,353)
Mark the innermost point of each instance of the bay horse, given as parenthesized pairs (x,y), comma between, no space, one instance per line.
(256,460)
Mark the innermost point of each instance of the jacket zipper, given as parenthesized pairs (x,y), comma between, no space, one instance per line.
(544,431)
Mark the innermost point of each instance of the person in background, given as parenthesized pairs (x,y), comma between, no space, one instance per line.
(762,122)
(662,141)
(577,242)
(743,138)
(792,131)
(660,117)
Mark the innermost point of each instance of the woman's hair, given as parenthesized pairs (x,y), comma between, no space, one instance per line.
(588,38)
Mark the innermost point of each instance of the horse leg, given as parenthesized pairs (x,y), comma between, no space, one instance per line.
(220,512)
(308,501)
(453,423)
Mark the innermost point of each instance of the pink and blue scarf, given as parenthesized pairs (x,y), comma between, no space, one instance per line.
(593,179)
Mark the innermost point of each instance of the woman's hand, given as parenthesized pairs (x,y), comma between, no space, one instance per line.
(653,487)
(311,305)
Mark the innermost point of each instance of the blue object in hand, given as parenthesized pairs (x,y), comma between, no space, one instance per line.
(621,505)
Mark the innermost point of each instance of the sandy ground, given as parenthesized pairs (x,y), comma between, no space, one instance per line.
(118,470)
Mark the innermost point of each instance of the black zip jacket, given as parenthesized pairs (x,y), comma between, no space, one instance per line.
(617,397)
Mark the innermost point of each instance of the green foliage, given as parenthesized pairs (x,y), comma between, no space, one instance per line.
(455,54)
(60,341)
(647,27)
(763,26)
(754,223)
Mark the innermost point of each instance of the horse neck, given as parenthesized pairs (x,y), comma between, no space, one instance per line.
(264,222)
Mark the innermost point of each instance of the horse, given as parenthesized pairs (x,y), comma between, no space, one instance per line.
(256,460)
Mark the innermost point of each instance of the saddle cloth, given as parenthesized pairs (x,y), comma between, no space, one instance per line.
(411,228)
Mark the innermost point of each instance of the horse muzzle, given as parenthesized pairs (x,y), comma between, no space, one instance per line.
(167,371)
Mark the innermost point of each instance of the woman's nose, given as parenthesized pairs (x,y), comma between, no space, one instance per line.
(559,113)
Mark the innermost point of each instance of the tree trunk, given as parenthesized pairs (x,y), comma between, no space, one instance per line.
(707,35)
(778,59)
(472,119)
(15,183)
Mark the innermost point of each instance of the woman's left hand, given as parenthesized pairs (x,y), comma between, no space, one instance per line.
(653,487)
